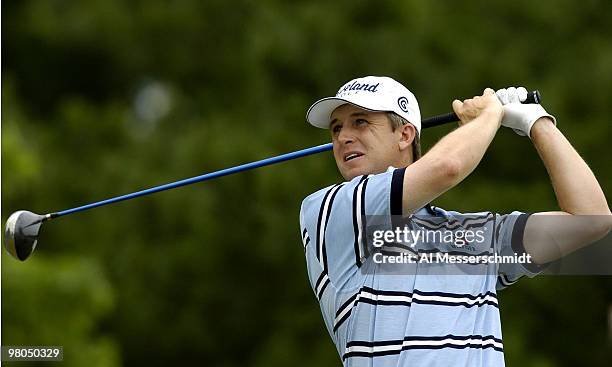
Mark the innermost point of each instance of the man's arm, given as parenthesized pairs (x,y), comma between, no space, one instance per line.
(584,216)
(456,155)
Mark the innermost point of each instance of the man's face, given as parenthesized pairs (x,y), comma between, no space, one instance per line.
(363,141)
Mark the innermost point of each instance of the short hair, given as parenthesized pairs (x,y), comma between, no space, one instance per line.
(398,121)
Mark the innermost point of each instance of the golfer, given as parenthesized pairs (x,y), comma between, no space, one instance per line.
(432,312)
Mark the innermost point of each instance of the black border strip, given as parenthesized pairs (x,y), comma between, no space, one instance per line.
(328,214)
(319,220)
(305,238)
(359,343)
(356,298)
(321,251)
(391,352)
(397,191)
(356,229)
(454,225)
(364,248)
(382,343)
(319,293)
(518,246)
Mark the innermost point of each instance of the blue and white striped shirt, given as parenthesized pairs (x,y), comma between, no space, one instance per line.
(426,317)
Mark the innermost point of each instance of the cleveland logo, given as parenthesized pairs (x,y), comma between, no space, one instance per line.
(356,86)
(402,102)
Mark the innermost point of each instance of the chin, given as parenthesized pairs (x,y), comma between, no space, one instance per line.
(351,173)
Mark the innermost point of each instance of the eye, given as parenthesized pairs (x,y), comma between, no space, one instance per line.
(361,122)
(336,129)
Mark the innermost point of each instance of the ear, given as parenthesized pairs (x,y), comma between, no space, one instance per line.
(408,133)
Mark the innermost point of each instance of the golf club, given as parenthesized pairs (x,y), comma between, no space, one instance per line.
(22,227)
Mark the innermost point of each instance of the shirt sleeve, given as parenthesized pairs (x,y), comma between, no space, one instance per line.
(508,241)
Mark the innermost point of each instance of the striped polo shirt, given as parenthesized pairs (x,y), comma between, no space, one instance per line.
(426,314)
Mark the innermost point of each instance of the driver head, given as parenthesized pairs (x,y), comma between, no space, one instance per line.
(21,233)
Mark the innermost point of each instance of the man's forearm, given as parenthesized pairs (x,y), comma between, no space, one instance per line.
(575,185)
(464,147)
(456,155)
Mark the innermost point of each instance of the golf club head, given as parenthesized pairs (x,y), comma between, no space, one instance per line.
(21,233)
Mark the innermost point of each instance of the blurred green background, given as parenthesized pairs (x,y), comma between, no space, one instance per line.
(106,97)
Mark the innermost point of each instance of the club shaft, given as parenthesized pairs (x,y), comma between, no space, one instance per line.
(533,97)
(204,177)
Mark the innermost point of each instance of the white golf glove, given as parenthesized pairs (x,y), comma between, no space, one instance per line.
(520,117)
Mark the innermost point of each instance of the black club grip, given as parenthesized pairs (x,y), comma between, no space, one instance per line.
(532,97)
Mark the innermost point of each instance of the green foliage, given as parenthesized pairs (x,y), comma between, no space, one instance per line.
(59,301)
(214,273)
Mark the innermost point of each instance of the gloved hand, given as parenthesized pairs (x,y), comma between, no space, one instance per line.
(520,117)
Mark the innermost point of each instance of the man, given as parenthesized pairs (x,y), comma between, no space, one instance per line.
(427,316)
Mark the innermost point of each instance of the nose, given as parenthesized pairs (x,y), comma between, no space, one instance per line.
(346,135)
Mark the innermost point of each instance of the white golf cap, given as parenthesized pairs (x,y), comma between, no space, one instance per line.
(374,93)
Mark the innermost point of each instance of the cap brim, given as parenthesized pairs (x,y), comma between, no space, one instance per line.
(319,113)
